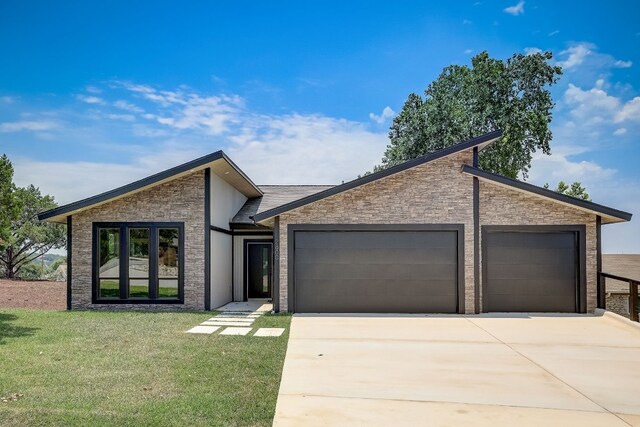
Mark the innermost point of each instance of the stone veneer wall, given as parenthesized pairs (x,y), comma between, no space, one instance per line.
(433,193)
(180,200)
(503,206)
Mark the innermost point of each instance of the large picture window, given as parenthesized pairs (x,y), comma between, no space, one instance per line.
(138,262)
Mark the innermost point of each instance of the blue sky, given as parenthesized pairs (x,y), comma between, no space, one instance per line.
(96,94)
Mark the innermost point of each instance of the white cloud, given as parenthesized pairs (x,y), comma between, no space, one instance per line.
(515,10)
(468,51)
(127,106)
(90,99)
(125,117)
(532,50)
(620,131)
(575,55)
(622,64)
(593,105)
(466,22)
(93,89)
(7,99)
(553,33)
(629,112)
(306,149)
(28,125)
(585,55)
(387,113)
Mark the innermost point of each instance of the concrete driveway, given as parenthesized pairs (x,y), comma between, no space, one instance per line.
(523,370)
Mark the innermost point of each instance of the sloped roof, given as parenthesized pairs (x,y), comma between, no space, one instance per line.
(218,161)
(608,214)
(274,196)
(479,142)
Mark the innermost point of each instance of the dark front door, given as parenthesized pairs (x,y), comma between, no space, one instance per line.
(258,273)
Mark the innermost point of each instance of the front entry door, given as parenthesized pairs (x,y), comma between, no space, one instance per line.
(258,272)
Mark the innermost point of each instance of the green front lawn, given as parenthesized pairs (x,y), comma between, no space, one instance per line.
(125,368)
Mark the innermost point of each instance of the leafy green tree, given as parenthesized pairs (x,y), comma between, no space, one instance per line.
(574,190)
(8,206)
(23,237)
(464,102)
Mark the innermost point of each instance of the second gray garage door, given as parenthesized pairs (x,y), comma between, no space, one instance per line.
(370,271)
(530,271)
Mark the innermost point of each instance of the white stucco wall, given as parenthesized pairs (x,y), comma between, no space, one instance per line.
(225,203)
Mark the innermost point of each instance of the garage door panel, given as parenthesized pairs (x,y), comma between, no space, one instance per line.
(544,256)
(375,271)
(539,303)
(378,255)
(531,287)
(375,239)
(374,297)
(533,239)
(534,271)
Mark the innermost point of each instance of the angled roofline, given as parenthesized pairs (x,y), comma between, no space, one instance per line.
(145,182)
(544,192)
(482,140)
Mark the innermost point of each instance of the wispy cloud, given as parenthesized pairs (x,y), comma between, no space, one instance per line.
(90,99)
(387,113)
(515,10)
(7,99)
(127,106)
(553,33)
(575,55)
(532,50)
(28,125)
(620,131)
(587,55)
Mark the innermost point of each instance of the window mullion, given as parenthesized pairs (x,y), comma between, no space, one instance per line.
(124,262)
(153,263)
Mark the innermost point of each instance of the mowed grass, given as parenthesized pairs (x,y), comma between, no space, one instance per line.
(125,368)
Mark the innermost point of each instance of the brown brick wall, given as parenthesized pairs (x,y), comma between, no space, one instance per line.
(503,206)
(433,193)
(181,200)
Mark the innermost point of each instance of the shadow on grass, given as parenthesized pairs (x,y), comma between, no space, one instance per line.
(8,330)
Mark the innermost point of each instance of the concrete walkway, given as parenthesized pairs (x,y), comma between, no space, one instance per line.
(574,370)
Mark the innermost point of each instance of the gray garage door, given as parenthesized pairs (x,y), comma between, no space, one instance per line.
(530,271)
(375,271)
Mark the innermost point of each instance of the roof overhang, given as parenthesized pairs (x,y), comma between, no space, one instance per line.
(479,142)
(608,215)
(219,163)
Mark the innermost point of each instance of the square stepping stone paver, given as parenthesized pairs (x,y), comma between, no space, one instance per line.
(269,332)
(222,323)
(236,331)
(203,329)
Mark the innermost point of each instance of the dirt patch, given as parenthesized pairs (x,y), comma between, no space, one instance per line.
(39,294)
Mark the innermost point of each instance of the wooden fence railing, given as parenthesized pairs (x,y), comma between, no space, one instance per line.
(633,292)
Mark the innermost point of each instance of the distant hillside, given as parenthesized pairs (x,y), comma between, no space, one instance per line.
(49,259)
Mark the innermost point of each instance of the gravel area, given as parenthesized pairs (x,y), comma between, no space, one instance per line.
(38,294)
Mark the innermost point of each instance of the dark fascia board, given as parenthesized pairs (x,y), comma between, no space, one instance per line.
(144,182)
(482,140)
(525,186)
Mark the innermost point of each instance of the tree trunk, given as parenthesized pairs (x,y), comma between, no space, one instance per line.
(9,272)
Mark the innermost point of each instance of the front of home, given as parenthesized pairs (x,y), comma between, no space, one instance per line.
(432,235)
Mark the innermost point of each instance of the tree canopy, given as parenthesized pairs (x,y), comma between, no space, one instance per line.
(23,238)
(574,190)
(464,102)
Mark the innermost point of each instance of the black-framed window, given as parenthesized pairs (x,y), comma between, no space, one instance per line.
(138,262)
